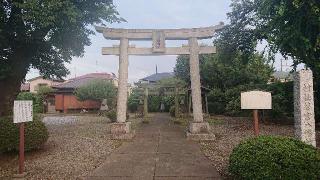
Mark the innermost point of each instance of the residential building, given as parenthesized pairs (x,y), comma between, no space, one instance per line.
(281,76)
(32,85)
(65,100)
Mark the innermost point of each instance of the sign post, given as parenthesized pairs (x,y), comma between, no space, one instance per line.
(22,112)
(256,122)
(21,148)
(256,100)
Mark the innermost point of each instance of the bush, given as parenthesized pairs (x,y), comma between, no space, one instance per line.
(282,100)
(154,103)
(36,99)
(97,90)
(133,102)
(273,157)
(168,101)
(216,108)
(112,115)
(36,134)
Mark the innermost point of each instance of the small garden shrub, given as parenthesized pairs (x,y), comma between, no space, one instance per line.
(274,157)
(36,134)
(112,115)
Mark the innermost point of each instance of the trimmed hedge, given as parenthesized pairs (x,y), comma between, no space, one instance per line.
(274,157)
(36,134)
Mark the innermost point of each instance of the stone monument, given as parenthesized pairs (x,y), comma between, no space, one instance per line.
(304,107)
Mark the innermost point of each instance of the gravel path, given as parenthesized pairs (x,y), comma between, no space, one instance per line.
(76,145)
(230,131)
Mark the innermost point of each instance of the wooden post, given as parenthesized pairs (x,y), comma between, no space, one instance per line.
(189,104)
(256,122)
(206,99)
(145,102)
(21,148)
(176,102)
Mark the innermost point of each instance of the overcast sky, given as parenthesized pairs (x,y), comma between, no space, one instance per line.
(148,14)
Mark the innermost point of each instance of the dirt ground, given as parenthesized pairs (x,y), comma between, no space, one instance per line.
(76,145)
(230,131)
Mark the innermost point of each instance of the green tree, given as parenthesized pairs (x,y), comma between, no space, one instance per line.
(133,101)
(36,99)
(182,68)
(227,77)
(97,90)
(45,90)
(171,82)
(217,73)
(44,34)
(291,27)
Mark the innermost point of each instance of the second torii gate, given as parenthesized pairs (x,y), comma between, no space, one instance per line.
(198,129)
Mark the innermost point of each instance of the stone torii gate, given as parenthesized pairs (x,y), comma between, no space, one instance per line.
(198,129)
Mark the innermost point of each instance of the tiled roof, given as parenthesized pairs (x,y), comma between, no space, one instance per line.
(95,75)
(41,77)
(158,76)
(82,80)
(282,75)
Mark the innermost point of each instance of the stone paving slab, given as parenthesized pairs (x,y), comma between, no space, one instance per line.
(141,146)
(178,147)
(159,151)
(184,165)
(127,165)
(146,136)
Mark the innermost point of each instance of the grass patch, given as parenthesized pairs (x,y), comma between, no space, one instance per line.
(180,121)
(213,121)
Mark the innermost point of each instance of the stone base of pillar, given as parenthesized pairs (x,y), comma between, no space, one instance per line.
(199,127)
(121,131)
(200,132)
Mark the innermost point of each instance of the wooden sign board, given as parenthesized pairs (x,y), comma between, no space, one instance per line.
(256,100)
(22,111)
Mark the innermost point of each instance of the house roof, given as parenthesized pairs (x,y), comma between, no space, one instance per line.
(82,80)
(282,75)
(96,75)
(41,77)
(158,76)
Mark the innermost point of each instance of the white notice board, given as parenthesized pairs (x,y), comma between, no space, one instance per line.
(256,100)
(22,111)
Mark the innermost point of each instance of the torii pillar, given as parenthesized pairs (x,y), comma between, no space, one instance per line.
(122,129)
(198,129)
